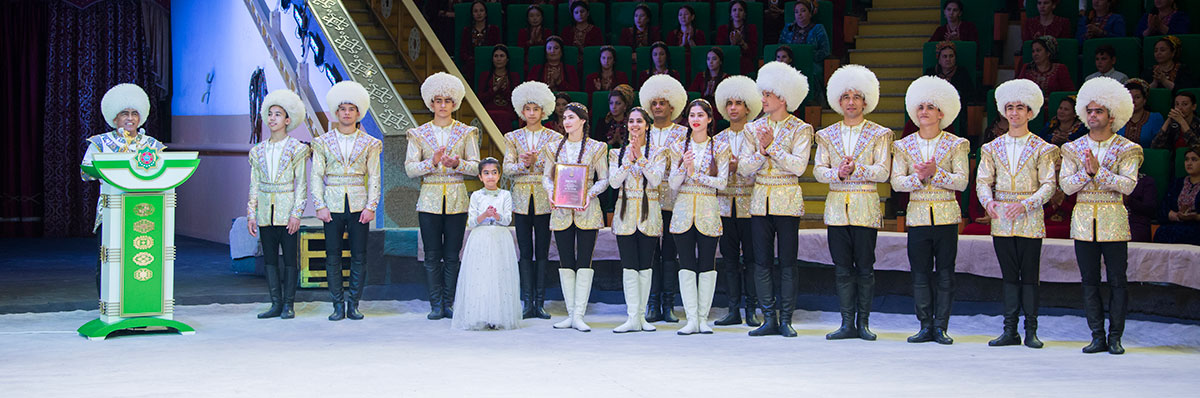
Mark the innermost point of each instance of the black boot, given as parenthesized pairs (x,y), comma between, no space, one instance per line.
(1029,303)
(925,335)
(785,324)
(276,293)
(733,295)
(1098,345)
(1118,306)
(538,303)
(539,287)
(451,282)
(354,293)
(866,294)
(333,274)
(525,270)
(339,311)
(668,306)
(433,279)
(653,314)
(751,316)
(940,336)
(1012,304)
(751,297)
(289,292)
(770,325)
(848,305)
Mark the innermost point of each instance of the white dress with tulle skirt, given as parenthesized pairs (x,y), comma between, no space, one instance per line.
(488,295)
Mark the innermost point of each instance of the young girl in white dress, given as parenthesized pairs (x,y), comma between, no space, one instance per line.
(488,296)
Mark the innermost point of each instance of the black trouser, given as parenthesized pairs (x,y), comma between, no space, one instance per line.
(533,238)
(697,251)
(765,230)
(637,250)
(346,223)
(442,238)
(575,247)
(852,249)
(931,246)
(1020,268)
(737,259)
(662,287)
(1116,261)
(281,275)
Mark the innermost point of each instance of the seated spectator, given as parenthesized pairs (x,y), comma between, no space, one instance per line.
(784,54)
(641,34)
(1164,18)
(947,69)
(476,34)
(1178,218)
(606,78)
(1049,75)
(1143,125)
(1106,59)
(560,105)
(1065,126)
(555,73)
(1167,71)
(1142,205)
(614,130)
(535,34)
(706,82)
(1182,127)
(1046,23)
(772,20)
(955,28)
(658,63)
(804,31)
(742,34)
(495,89)
(686,35)
(1100,22)
(581,32)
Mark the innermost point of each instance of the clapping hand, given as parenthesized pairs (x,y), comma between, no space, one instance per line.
(925,169)
(1013,210)
(689,162)
(765,136)
(1090,164)
(846,167)
(527,158)
(450,161)
(437,155)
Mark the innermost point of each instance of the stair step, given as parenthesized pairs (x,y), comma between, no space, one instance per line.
(890,41)
(904,14)
(881,27)
(906,3)
(893,84)
(886,56)
(909,72)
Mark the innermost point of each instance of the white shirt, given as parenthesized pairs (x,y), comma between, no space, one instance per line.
(531,140)
(346,144)
(1113,73)
(482,199)
(274,152)
(570,152)
(1013,148)
(658,137)
(442,134)
(928,147)
(850,135)
(735,143)
(1099,148)
(700,153)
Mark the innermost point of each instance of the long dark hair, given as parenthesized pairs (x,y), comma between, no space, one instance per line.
(579,110)
(621,157)
(687,142)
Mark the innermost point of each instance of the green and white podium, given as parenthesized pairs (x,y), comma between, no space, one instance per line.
(137,250)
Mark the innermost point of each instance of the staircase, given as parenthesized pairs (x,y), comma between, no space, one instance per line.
(398,73)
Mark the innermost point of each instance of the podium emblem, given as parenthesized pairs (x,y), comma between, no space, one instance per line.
(143,242)
(147,158)
(143,274)
(144,209)
(143,259)
(143,226)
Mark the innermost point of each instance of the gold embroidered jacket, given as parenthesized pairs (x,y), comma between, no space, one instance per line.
(1030,182)
(734,200)
(335,177)
(631,177)
(855,200)
(276,198)
(675,133)
(1100,214)
(442,188)
(777,175)
(113,142)
(527,181)
(931,202)
(595,156)
(696,194)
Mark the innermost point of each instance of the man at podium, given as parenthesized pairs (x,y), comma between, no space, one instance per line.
(125,107)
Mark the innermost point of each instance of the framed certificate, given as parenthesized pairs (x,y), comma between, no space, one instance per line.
(570,186)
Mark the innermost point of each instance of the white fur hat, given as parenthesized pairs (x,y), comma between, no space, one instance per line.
(665,87)
(1024,91)
(741,88)
(784,81)
(533,92)
(291,103)
(443,84)
(349,92)
(1110,94)
(121,97)
(936,91)
(853,77)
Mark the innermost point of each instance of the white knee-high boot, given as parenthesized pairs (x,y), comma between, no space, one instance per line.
(629,282)
(687,292)
(583,290)
(644,278)
(708,285)
(566,278)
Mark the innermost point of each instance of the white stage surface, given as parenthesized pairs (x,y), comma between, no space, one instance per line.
(396,352)
(1148,262)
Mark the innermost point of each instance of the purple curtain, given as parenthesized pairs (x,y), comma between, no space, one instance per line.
(89,50)
(23,46)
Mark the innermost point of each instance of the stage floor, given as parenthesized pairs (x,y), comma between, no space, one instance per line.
(396,352)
